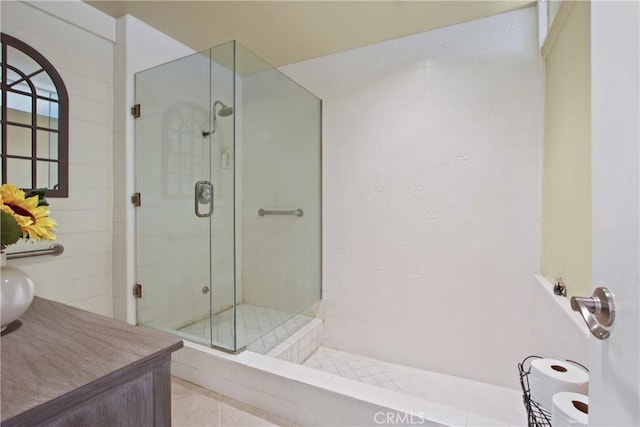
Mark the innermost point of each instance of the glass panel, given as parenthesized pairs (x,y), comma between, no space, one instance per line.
(184,155)
(12,76)
(19,141)
(22,87)
(19,172)
(172,243)
(223,253)
(44,86)
(47,145)
(19,108)
(47,114)
(280,171)
(46,174)
(22,62)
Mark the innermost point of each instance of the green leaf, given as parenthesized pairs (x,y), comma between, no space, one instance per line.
(9,229)
(40,193)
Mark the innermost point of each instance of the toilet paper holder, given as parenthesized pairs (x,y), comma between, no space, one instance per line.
(598,311)
(537,415)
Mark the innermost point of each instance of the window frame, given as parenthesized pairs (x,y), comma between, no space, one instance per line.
(63,115)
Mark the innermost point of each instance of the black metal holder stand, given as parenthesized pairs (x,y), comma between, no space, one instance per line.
(537,416)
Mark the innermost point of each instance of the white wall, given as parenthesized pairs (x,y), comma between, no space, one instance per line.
(78,41)
(431,195)
(559,332)
(566,196)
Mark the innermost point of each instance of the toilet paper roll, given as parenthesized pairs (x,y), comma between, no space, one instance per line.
(549,376)
(569,410)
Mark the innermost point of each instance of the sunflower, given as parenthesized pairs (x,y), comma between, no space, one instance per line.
(33,220)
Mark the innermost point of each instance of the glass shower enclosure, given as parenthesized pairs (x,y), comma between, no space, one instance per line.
(228,231)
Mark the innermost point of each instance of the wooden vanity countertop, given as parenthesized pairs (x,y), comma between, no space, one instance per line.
(60,353)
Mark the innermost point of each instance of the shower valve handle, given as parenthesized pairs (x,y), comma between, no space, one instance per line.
(204,193)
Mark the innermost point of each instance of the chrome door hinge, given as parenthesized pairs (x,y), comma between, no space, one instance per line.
(137,290)
(135,111)
(136,199)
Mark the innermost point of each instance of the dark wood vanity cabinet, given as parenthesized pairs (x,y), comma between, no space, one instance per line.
(62,366)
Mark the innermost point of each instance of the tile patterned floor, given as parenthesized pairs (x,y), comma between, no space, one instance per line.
(485,399)
(266,327)
(270,340)
(193,406)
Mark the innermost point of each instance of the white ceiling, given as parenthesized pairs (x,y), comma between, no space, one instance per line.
(284,32)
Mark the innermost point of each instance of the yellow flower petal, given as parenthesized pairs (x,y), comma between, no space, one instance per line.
(33,220)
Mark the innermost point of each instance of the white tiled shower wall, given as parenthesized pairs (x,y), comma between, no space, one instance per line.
(78,41)
(431,195)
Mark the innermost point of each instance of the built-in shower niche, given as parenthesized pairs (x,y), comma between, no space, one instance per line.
(223,135)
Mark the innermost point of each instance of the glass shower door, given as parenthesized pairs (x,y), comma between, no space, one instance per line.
(181,182)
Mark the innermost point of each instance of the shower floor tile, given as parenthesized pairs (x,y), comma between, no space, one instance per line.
(481,398)
(263,326)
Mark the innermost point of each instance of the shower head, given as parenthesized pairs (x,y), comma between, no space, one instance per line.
(224,111)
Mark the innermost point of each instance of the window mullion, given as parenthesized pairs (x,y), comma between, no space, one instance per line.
(4,113)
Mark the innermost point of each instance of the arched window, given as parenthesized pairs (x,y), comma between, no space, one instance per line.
(35,120)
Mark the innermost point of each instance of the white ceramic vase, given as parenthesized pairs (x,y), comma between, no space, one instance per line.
(16,292)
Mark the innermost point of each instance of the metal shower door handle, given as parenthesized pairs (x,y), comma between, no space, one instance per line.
(598,311)
(204,193)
